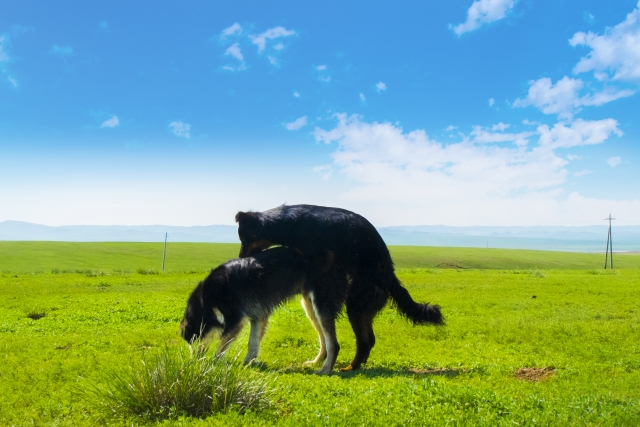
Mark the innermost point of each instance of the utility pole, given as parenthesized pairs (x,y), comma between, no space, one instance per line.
(165,250)
(609,245)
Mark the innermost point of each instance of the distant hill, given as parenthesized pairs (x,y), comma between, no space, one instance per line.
(578,239)
(17,230)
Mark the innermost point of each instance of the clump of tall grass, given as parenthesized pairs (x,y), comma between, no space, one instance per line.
(607,272)
(537,273)
(147,271)
(174,382)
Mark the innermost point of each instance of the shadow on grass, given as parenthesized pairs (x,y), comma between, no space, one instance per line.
(381,372)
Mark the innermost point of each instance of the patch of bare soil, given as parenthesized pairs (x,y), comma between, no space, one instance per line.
(535,374)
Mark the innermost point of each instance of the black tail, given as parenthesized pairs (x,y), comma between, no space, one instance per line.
(419,314)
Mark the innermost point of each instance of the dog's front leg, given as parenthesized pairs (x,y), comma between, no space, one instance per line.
(327,322)
(331,342)
(255,336)
(231,331)
(308,308)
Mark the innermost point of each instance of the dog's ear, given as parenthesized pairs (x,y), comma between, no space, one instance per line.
(246,216)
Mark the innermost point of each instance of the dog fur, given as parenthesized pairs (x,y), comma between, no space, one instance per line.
(251,288)
(334,240)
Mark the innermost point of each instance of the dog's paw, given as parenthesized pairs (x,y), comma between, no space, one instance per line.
(319,358)
(323,371)
(249,360)
(348,368)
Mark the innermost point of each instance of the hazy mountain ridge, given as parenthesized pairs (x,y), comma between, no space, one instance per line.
(587,238)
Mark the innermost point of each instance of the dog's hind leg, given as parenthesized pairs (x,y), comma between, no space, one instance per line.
(364,301)
(256,334)
(308,308)
(362,325)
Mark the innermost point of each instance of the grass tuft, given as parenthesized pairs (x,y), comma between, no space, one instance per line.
(147,271)
(35,313)
(173,382)
(537,273)
(597,272)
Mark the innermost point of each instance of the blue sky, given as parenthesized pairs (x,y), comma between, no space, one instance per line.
(488,112)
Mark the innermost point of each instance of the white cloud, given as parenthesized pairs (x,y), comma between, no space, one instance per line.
(111,123)
(325,171)
(450,128)
(180,129)
(272,60)
(296,124)
(477,180)
(234,50)
(325,79)
(362,97)
(491,102)
(61,50)
(5,43)
(552,99)
(381,87)
(562,98)
(582,173)
(229,31)
(573,157)
(483,12)
(614,54)
(579,133)
(261,39)
(4,57)
(588,17)
(496,134)
(321,67)
(296,94)
(500,127)
(614,161)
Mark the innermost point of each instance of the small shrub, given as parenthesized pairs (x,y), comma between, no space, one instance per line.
(174,382)
(537,273)
(147,271)
(607,272)
(35,313)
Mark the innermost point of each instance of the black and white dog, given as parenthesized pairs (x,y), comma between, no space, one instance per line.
(251,288)
(333,240)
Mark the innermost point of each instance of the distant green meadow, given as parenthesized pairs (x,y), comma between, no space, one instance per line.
(532,338)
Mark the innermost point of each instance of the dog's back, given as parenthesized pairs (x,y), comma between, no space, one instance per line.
(267,279)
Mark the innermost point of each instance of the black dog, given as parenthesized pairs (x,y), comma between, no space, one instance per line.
(251,288)
(334,240)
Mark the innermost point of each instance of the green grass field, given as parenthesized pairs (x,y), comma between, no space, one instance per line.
(97,307)
(35,256)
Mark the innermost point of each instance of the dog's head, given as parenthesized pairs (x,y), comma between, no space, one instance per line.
(201,317)
(251,234)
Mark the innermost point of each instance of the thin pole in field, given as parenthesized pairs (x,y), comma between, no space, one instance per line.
(165,249)
(608,255)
